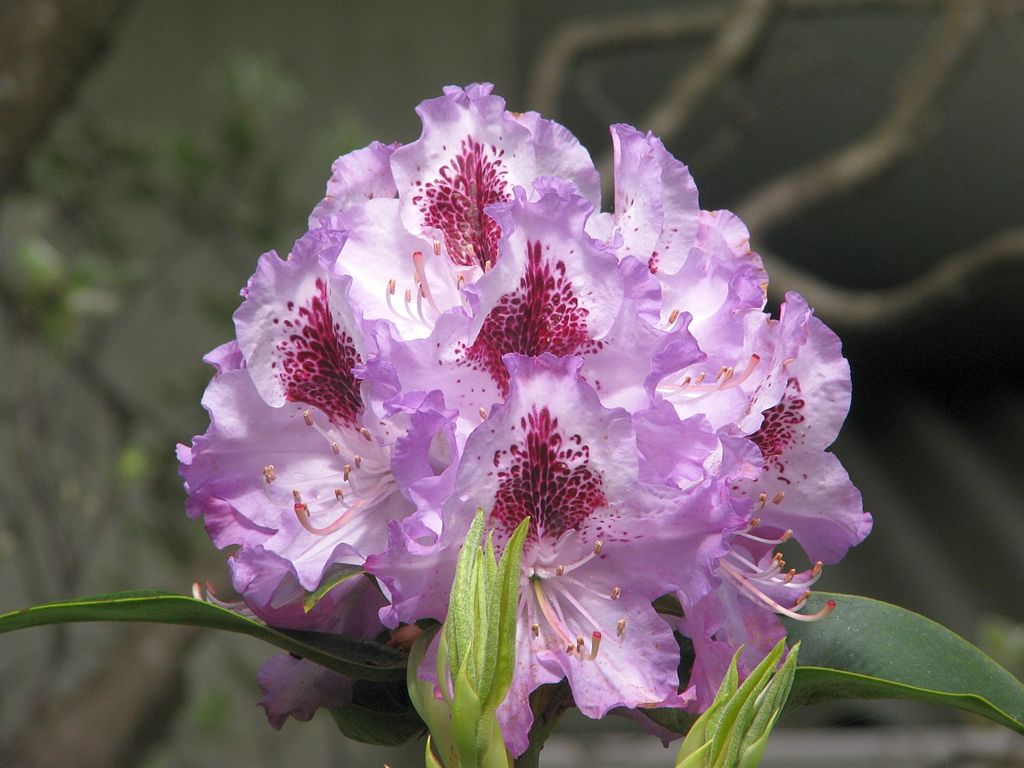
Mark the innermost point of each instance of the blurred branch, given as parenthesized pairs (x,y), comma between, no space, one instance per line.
(573,39)
(737,33)
(893,136)
(47,47)
(866,309)
(737,37)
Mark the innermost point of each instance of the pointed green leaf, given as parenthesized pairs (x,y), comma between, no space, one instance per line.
(349,656)
(508,614)
(429,758)
(868,649)
(332,578)
(458,627)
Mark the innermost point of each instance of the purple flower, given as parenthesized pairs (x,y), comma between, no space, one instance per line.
(462,328)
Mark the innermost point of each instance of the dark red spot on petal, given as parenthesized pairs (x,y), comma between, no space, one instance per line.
(547,477)
(780,428)
(454,203)
(542,315)
(317,360)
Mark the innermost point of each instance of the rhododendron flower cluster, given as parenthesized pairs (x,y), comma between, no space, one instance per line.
(462,327)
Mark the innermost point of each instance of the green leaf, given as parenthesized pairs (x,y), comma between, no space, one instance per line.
(458,627)
(333,577)
(356,658)
(508,583)
(868,649)
(386,729)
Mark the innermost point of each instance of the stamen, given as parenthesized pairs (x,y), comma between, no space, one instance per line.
(790,575)
(308,418)
(358,460)
(754,522)
(302,513)
(762,499)
(419,266)
(751,590)
(616,593)
(296,495)
(779,497)
(816,570)
(269,474)
(365,433)
(408,296)
(620,627)
(550,613)
(535,628)
(580,645)
(460,281)
(347,471)
(559,570)
(483,413)
(595,645)
(336,449)
(391,287)
(598,546)
(437,247)
(673,316)
(727,378)
(487,266)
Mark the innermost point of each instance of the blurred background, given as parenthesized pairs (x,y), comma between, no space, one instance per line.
(151,150)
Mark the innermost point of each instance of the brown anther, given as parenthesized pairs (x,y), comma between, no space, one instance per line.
(437,247)
(620,627)
(777,558)
(816,569)
(408,296)
(673,316)
(391,286)
(616,593)
(559,570)
(296,496)
(685,382)
(790,575)
(269,474)
(347,471)
(762,499)
(754,522)
(487,265)
(580,645)
(460,281)
(339,494)
(570,648)
(336,449)
(422,291)
(803,598)
(598,546)
(365,433)
(308,418)
(535,628)
(700,378)
(483,413)
(786,536)
(777,499)
(358,460)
